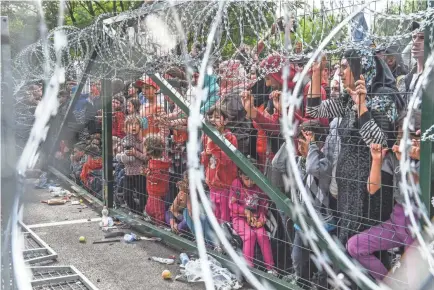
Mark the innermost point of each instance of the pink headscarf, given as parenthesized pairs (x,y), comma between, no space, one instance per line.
(233,75)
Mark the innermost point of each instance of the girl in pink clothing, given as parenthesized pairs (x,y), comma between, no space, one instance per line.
(248,207)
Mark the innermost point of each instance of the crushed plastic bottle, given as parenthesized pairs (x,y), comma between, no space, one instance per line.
(163,260)
(129,238)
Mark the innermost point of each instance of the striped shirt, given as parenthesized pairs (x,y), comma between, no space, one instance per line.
(369,130)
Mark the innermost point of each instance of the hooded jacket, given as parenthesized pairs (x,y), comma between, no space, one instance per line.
(357,134)
(400,69)
(220,170)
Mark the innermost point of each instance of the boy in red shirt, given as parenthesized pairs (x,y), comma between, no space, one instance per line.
(220,170)
(157,177)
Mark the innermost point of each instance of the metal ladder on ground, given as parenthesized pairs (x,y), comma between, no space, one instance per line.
(36,251)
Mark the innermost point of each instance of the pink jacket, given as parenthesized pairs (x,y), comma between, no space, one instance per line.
(252,198)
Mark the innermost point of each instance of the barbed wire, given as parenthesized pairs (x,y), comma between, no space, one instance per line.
(139,53)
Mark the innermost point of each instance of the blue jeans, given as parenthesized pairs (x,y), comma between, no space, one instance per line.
(207,229)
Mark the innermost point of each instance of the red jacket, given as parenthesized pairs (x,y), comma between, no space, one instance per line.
(157,179)
(220,170)
(118,124)
(90,165)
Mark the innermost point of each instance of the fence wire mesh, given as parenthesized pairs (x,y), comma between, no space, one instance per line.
(345,124)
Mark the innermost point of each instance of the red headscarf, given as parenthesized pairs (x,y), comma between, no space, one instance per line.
(273,65)
(234,73)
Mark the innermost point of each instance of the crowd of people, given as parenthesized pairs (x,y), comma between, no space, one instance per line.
(350,127)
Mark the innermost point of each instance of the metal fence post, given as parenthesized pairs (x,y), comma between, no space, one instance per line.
(8,154)
(107,141)
(427,153)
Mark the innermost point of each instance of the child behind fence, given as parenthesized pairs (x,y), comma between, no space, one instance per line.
(157,177)
(93,163)
(174,216)
(78,158)
(394,232)
(132,156)
(220,170)
(248,207)
(316,169)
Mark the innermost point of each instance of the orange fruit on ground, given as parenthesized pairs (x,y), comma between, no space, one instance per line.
(166,274)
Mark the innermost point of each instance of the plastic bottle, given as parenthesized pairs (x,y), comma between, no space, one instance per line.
(184,258)
(163,260)
(43,180)
(130,238)
(104,213)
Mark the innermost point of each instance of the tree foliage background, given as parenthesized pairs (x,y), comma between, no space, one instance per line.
(312,27)
(25,19)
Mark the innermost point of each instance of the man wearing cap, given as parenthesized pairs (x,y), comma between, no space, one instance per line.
(407,84)
(149,87)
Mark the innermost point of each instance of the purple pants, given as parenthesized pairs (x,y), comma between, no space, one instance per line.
(387,235)
(182,224)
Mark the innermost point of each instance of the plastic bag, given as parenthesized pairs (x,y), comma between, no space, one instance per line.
(223,279)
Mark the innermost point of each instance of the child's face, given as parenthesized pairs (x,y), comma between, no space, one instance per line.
(96,136)
(413,137)
(217,120)
(149,91)
(116,105)
(133,128)
(130,108)
(247,182)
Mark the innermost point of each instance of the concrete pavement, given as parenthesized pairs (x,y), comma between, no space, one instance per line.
(115,266)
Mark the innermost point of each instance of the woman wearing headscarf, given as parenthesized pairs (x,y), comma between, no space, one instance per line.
(368,111)
(233,81)
(394,61)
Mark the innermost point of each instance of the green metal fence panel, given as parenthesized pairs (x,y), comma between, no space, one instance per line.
(427,149)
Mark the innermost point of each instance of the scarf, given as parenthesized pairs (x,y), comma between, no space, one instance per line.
(362,62)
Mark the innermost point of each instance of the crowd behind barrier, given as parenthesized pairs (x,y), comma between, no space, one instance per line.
(349,131)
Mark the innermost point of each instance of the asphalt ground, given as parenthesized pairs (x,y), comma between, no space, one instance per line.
(110,266)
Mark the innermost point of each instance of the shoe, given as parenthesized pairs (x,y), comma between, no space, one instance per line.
(273,272)
(146,217)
